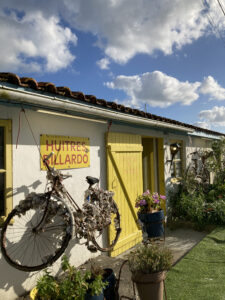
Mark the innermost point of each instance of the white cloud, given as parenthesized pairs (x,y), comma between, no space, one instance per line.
(103,63)
(155,89)
(214,116)
(211,87)
(123,28)
(34,42)
(202,125)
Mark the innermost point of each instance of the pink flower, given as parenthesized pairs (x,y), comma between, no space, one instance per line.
(146,193)
(162,197)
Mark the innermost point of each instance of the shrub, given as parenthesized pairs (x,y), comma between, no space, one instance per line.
(72,285)
(150,259)
(201,203)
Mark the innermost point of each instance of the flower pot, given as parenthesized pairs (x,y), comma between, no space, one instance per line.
(150,286)
(95,297)
(153,223)
(110,278)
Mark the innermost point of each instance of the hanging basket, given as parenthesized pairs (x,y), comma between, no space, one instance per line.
(153,223)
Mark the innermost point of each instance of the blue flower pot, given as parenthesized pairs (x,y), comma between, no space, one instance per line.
(95,297)
(110,278)
(153,223)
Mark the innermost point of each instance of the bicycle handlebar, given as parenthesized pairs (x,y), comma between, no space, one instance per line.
(49,156)
(52,170)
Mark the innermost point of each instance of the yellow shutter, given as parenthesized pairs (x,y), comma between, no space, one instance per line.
(124,175)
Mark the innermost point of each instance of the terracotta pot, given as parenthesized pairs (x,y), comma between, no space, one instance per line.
(150,286)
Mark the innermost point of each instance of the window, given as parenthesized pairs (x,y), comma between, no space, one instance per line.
(176,163)
(5,168)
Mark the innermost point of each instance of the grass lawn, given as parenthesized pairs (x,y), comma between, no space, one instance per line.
(201,273)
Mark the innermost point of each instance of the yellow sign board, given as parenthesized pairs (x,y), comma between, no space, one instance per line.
(69,152)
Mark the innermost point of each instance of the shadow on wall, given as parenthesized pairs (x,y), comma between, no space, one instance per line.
(25,189)
(12,281)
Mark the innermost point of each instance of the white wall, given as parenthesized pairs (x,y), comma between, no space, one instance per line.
(27,178)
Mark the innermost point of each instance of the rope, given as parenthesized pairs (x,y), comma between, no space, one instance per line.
(32,133)
(18,134)
(109,126)
(118,284)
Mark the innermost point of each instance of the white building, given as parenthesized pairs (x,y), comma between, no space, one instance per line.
(128,150)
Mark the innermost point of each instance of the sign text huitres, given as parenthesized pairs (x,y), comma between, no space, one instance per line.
(69,152)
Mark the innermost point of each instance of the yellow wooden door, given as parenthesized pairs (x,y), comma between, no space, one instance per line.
(124,175)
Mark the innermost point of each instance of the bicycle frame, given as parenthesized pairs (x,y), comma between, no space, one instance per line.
(60,191)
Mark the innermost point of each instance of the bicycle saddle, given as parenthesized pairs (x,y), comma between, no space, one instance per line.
(92,180)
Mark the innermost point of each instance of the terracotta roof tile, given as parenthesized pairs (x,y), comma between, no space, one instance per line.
(92,98)
(78,96)
(66,92)
(29,82)
(10,77)
(48,87)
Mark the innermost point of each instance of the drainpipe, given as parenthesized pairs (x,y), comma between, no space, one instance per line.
(69,106)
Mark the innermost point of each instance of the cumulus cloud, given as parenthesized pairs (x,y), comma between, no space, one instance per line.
(202,125)
(103,63)
(211,87)
(155,89)
(214,116)
(32,41)
(34,30)
(125,28)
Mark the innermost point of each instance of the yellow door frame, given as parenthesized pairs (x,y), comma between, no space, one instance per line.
(8,201)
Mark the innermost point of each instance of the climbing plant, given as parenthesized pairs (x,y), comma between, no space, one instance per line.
(196,198)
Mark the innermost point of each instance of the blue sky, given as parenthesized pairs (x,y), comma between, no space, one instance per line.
(167,56)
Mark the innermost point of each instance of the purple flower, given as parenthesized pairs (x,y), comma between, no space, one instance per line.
(162,197)
(155,196)
(146,193)
(143,202)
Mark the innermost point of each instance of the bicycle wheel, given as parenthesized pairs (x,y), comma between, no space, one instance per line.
(30,244)
(110,222)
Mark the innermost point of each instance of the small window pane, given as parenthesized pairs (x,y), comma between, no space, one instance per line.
(2,196)
(2,163)
(178,169)
(178,155)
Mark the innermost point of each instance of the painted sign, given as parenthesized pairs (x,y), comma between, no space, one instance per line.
(69,152)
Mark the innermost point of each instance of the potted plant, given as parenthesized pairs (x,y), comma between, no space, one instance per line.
(148,265)
(108,276)
(150,213)
(73,284)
